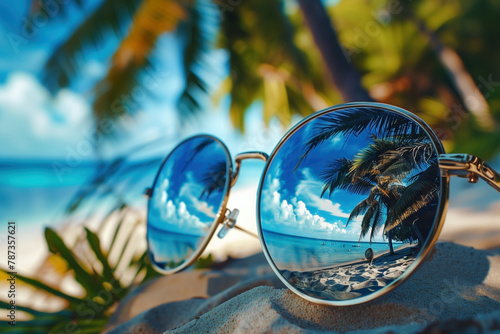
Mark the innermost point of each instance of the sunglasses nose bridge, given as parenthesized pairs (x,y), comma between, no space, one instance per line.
(244,156)
(229,222)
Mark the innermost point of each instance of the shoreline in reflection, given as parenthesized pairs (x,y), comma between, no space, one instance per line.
(304,254)
(176,247)
(348,281)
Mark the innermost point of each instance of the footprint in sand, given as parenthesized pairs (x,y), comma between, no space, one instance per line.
(392,274)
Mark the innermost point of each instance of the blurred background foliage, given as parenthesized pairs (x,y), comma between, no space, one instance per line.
(438,59)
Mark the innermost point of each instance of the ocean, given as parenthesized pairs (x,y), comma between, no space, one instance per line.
(41,193)
(305,254)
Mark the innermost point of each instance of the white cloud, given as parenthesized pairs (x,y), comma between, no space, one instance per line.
(37,125)
(176,214)
(191,187)
(310,189)
(294,216)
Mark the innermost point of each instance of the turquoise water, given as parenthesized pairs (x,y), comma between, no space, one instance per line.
(299,253)
(36,193)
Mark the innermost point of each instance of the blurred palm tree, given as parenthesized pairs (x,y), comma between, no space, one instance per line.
(266,62)
(434,58)
(407,54)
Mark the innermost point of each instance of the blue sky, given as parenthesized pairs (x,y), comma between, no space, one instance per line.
(178,202)
(291,199)
(40,126)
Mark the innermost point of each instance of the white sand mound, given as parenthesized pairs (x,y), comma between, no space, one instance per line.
(458,287)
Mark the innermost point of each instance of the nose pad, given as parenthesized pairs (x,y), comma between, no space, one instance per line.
(229,222)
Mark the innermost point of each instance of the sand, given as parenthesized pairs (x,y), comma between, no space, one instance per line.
(457,286)
(352,280)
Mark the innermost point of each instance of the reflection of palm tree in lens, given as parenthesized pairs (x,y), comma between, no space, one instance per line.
(399,172)
(354,121)
(204,143)
(214,179)
(399,177)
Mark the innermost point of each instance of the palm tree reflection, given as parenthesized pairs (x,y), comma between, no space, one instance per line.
(214,179)
(397,170)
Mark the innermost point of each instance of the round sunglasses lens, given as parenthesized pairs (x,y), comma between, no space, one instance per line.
(348,202)
(186,199)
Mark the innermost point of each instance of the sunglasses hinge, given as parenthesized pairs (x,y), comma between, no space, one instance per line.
(469,167)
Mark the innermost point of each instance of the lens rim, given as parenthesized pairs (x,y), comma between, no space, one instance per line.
(437,224)
(218,220)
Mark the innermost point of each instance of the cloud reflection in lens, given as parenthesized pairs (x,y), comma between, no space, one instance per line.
(345,182)
(185,200)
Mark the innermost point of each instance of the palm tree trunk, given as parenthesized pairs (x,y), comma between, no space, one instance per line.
(345,76)
(419,235)
(469,92)
(391,248)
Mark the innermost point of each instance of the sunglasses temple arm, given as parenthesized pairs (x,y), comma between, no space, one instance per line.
(469,167)
(246,231)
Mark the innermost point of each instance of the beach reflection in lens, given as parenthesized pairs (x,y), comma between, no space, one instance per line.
(348,201)
(185,200)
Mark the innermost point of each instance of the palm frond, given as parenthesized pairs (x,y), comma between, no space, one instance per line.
(367,160)
(405,158)
(214,179)
(359,209)
(110,16)
(377,221)
(336,175)
(343,123)
(153,18)
(367,221)
(423,189)
(244,84)
(265,62)
(197,44)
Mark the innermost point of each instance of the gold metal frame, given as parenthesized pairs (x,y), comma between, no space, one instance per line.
(462,165)
(469,167)
(218,220)
(438,220)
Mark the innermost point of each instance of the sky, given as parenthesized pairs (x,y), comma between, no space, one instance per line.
(291,201)
(179,203)
(38,125)
(52,134)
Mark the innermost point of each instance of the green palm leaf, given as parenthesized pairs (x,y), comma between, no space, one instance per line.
(366,161)
(423,189)
(198,44)
(359,209)
(90,282)
(368,218)
(110,15)
(342,123)
(377,221)
(405,158)
(337,175)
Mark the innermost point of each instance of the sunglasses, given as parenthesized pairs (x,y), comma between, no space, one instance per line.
(350,202)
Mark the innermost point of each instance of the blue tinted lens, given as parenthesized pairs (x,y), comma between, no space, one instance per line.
(185,200)
(348,201)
